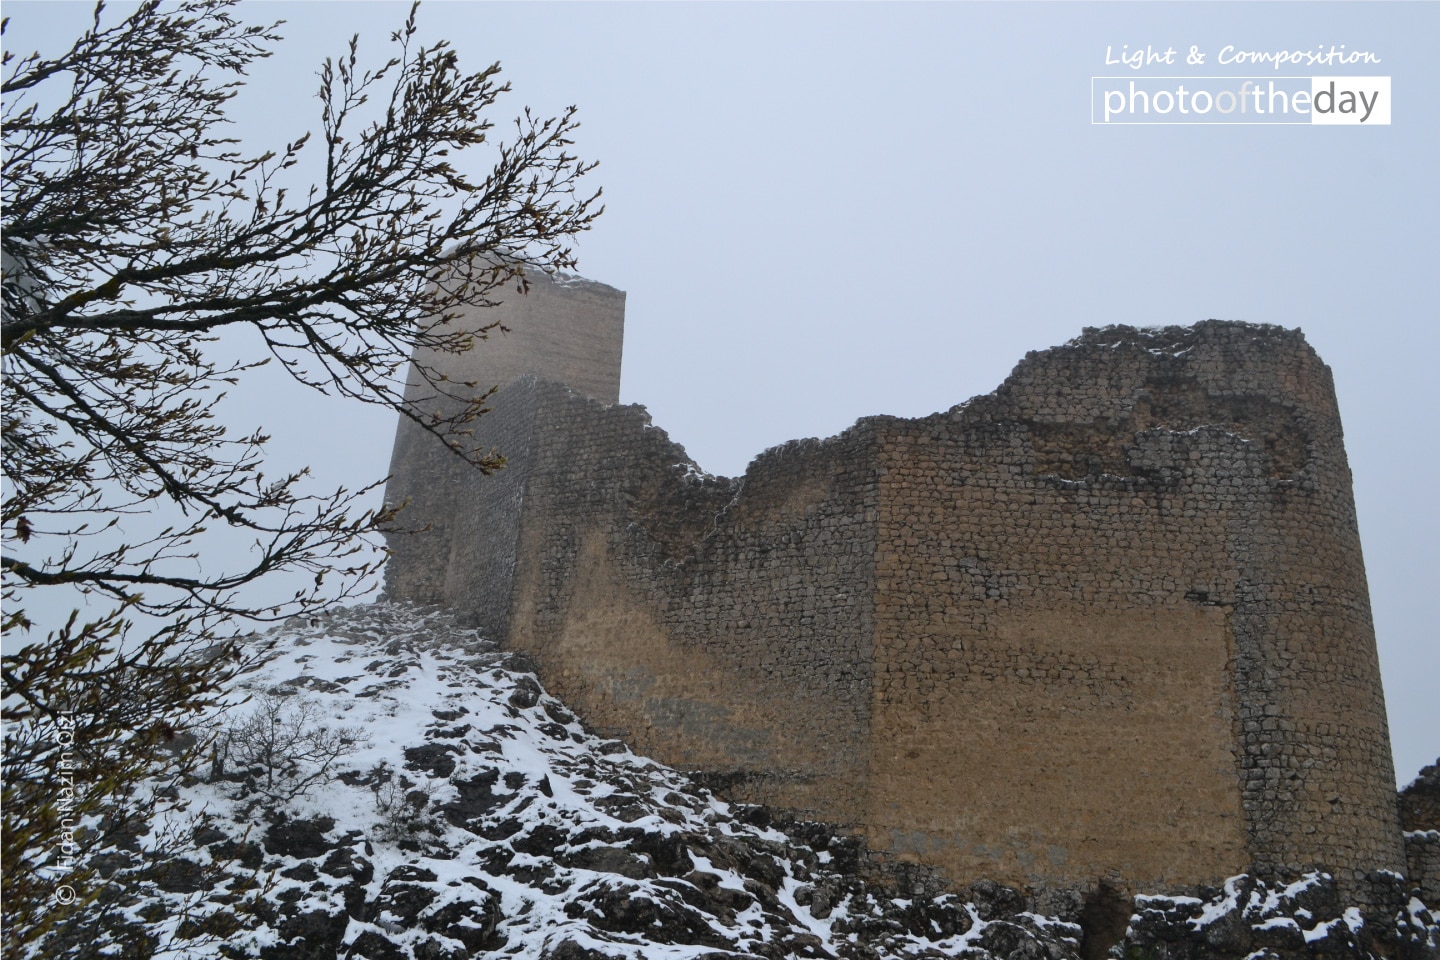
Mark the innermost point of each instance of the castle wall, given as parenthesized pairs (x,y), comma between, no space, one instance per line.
(1422,852)
(716,625)
(1420,820)
(1132,579)
(1037,656)
(1109,621)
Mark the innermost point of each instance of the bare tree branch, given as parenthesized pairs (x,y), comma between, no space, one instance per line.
(136,235)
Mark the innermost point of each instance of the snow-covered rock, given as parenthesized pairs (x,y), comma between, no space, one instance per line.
(427,800)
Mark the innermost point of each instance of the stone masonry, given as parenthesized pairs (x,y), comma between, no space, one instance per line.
(1420,819)
(459,547)
(1109,622)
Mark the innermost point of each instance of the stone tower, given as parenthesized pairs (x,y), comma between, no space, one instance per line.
(564,330)
(1109,621)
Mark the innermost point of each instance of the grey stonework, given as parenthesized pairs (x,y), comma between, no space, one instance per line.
(1109,622)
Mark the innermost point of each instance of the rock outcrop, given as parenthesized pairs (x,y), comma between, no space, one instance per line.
(469,813)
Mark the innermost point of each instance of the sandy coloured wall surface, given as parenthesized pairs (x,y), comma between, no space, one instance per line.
(1109,621)
(1134,565)
(460,530)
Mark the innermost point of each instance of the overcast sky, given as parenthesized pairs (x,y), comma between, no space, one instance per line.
(821,212)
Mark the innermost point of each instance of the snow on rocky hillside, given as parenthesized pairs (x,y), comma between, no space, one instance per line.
(389,786)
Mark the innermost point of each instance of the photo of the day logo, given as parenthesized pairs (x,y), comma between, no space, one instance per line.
(1357,101)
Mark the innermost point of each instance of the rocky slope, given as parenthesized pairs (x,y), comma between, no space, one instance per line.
(395,788)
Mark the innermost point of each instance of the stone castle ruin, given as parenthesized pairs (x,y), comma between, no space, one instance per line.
(1107,623)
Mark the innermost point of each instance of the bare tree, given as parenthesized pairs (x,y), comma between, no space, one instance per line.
(135,235)
(282,748)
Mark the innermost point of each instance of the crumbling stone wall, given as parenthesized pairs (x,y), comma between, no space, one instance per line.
(722,625)
(1108,622)
(1420,819)
(1136,563)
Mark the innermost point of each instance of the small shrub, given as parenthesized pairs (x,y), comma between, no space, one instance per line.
(405,808)
(282,749)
